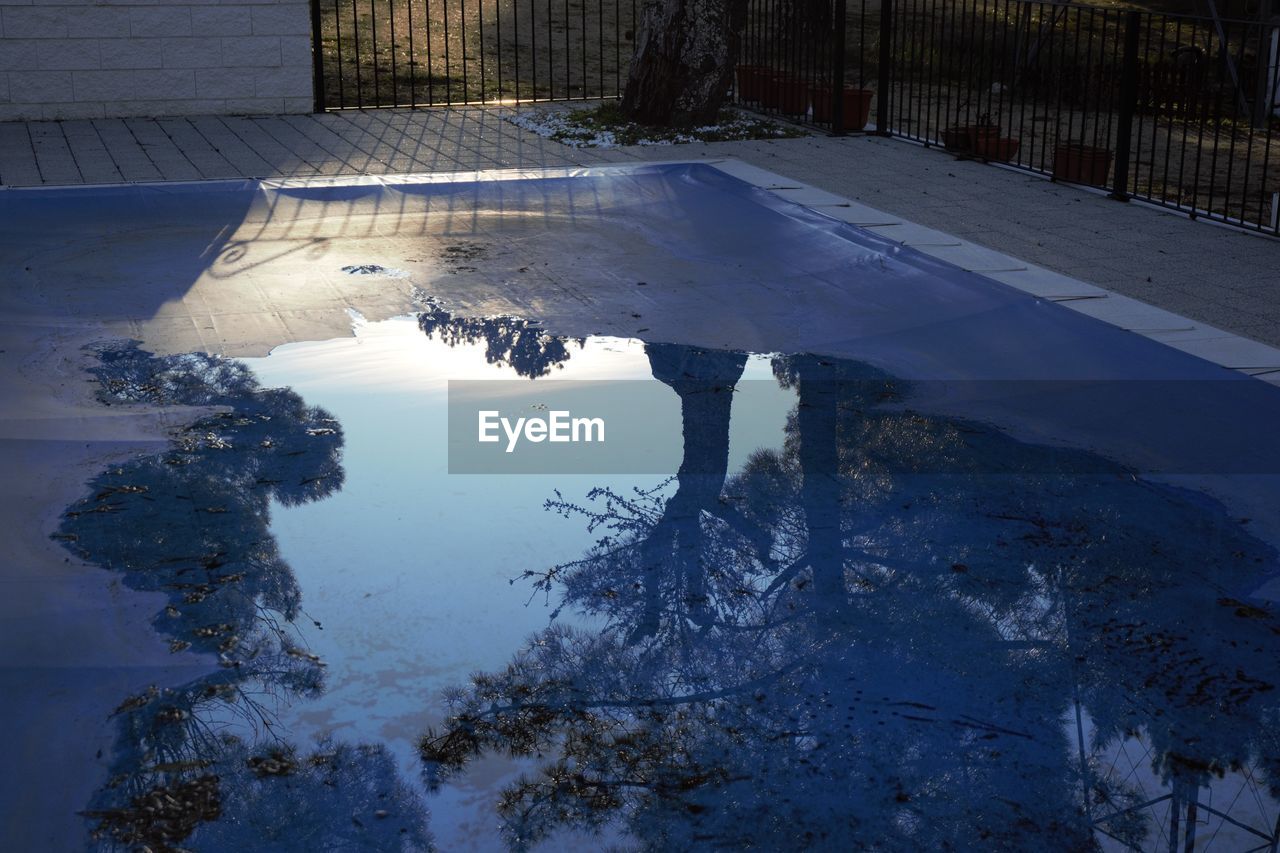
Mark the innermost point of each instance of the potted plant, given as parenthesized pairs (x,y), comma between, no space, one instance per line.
(857,105)
(998,148)
(1077,163)
(969,138)
(957,139)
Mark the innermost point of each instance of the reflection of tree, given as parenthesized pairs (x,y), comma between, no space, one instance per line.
(672,550)
(520,344)
(893,668)
(192,522)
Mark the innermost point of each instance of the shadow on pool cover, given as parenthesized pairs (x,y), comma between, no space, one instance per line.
(820,650)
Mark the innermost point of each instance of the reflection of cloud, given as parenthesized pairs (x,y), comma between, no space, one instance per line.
(871,637)
(192,522)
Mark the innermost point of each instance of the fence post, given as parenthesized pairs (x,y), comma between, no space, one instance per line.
(1128,103)
(841,22)
(1266,103)
(885,72)
(317,57)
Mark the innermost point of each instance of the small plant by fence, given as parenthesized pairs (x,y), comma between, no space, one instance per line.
(1178,110)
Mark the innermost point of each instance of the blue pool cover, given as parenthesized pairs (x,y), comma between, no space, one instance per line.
(1002,579)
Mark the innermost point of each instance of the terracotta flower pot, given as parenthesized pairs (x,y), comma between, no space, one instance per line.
(998,148)
(857,105)
(793,96)
(966,139)
(1077,163)
(958,139)
(983,132)
(769,90)
(750,81)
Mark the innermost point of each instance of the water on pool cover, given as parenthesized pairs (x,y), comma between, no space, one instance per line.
(834,623)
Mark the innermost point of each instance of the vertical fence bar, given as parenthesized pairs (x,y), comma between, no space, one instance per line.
(1232,123)
(1128,103)
(337,40)
(431,90)
(533,50)
(317,58)
(911,71)
(461,30)
(448,66)
(391,22)
(839,23)
(1273,82)
(884,126)
(355,35)
(373,27)
(480,26)
(1218,112)
(1140,112)
(497,59)
(413,58)
(937,110)
(862,43)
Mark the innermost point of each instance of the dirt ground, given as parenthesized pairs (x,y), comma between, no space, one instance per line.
(399,53)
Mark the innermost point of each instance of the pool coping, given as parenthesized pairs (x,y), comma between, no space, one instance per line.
(1217,346)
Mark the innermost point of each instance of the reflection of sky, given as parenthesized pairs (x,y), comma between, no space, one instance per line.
(407,568)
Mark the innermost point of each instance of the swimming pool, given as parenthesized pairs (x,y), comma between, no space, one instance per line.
(917,560)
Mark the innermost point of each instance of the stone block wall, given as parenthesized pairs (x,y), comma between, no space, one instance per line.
(103,58)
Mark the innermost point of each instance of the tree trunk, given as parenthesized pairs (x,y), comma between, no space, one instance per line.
(684,60)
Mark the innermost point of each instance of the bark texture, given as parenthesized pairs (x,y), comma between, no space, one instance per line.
(684,59)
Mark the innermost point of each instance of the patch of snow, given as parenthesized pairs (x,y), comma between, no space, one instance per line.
(358,320)
(557,125)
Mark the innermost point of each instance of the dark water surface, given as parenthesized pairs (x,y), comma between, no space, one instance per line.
(834,621)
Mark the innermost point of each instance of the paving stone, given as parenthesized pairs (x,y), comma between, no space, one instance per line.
(53,155)
(17,156)
(91,155)
(197,149)
(161,151)
(130,158)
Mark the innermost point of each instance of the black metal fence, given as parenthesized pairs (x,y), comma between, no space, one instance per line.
(1178,110)
(1174,109)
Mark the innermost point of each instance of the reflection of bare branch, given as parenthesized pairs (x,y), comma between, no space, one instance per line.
(976,604)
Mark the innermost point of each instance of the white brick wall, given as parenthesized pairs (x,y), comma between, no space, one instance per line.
(92,58)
